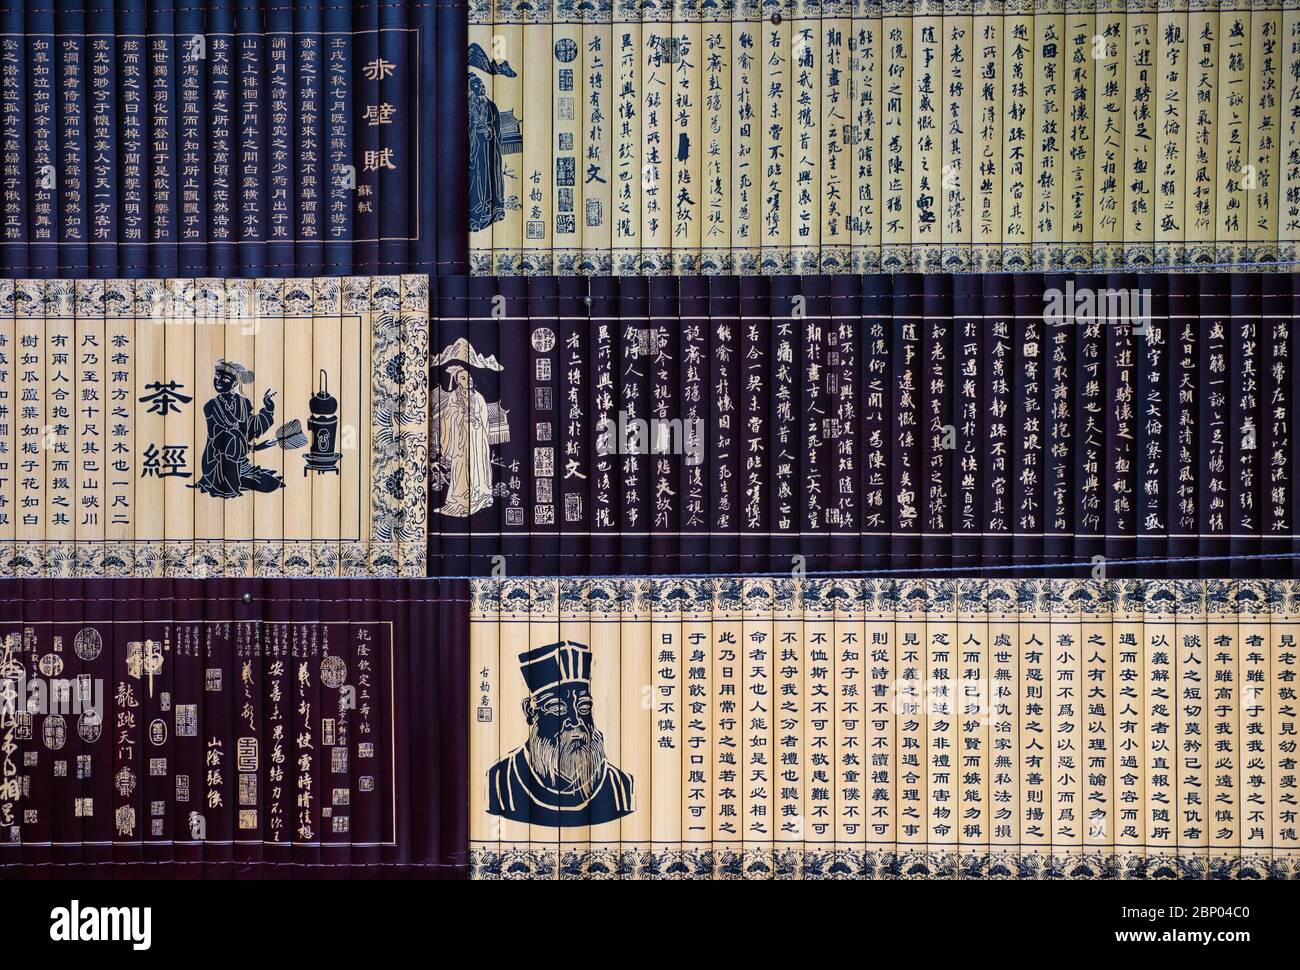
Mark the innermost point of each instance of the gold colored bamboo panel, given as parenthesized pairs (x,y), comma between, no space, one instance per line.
(210,427)
(637,137)
(879,728)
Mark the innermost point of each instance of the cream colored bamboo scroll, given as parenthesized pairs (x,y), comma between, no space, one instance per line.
(207,427)
(826,136)
(860,728)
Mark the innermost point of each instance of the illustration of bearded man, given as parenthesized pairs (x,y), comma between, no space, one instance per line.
(560,775)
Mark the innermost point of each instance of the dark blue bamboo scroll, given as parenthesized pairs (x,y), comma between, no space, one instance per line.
(207,689)
(157,138)
(979,433)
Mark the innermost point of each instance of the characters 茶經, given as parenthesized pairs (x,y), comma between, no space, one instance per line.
(560,775)
(233,429)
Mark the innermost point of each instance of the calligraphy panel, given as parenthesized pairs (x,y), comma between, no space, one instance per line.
(644,137)
(848,728)
(140,139)
(903,423)
(208,427)
(217,729)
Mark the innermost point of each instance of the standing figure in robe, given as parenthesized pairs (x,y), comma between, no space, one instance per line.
(233,429)
(461,417)
(487,196)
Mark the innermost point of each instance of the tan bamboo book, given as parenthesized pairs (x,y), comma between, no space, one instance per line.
(145,454)
(620,797)
(790,136)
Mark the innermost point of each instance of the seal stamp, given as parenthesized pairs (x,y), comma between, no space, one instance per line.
(333,671)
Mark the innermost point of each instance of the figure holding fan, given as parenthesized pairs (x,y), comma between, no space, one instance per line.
(233,430)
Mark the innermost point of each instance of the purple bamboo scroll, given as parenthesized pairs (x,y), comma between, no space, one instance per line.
(991,425)
(233,729)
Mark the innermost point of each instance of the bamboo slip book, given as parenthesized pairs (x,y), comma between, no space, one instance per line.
(658,137)
(880,728)
(210,427)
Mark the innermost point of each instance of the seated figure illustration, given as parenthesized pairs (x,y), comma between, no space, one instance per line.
(233,430)
(560,775)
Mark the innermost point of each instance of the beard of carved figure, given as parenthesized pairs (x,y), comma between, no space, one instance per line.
(574,760)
